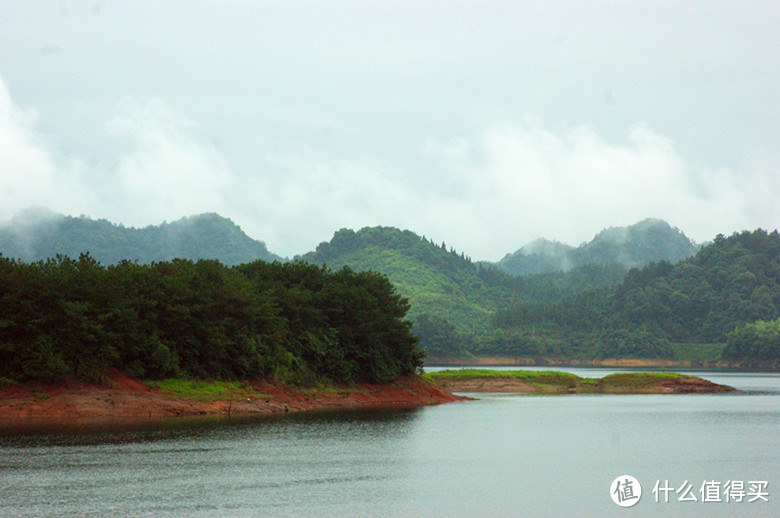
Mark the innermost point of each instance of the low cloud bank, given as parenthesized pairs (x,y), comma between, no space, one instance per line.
(487,194)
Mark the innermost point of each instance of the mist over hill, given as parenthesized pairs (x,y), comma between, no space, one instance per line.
(637,245)
(39,233)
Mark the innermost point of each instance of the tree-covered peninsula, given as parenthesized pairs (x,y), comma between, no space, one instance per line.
(298,323)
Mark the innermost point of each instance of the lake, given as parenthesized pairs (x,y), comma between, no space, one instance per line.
(500,455)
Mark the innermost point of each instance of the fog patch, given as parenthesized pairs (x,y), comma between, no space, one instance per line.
(167,171)
(569,185)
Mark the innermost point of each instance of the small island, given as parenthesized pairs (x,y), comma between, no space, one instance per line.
(553,382)
(83,341)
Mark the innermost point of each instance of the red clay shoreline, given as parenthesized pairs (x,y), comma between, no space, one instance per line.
(123,398)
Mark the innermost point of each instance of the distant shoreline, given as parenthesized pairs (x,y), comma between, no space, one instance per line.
(532,361)
(123,398)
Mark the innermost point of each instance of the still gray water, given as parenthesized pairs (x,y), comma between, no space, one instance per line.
(501,455)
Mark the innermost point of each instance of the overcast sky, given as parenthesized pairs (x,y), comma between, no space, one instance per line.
(482,124)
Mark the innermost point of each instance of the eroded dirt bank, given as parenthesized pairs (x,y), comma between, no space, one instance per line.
(124,398)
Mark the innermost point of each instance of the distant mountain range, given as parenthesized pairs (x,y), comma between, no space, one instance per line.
(452,298)
(443,286)
(722,304)
(634,246)
(454,301)
(39,233)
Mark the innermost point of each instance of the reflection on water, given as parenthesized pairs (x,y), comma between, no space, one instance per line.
(498,456)
(198,466)
(87,432)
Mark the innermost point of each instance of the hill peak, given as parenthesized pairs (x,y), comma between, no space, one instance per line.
(545,247)
(647,241)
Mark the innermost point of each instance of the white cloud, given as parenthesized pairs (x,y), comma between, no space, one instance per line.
(486,195)
(164,172)
(167,173)
(532,182)
(306,194)
(29,174)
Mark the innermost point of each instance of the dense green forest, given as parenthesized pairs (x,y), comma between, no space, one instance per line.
(296,322)
(38,234)
(755,343)
(452,298)
(728,292)
(685,310)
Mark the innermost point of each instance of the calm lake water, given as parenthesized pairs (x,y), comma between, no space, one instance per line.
(502,455)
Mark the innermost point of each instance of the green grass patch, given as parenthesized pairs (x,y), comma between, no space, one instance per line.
(40,396)
(531,377)
(206,390)
(323,387)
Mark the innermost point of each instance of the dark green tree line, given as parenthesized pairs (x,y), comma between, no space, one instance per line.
(63,318)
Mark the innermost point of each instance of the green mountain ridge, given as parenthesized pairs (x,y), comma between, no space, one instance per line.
(37,234)
(437,281)
(662,310)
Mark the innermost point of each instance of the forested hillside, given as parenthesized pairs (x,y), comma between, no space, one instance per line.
(452,298)
(638,245)
(296,322)
(728,291)
(38,234)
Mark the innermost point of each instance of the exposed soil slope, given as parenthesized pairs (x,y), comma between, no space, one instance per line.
(121,398)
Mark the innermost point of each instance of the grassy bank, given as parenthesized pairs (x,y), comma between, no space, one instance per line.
(563,380)
(206,390)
